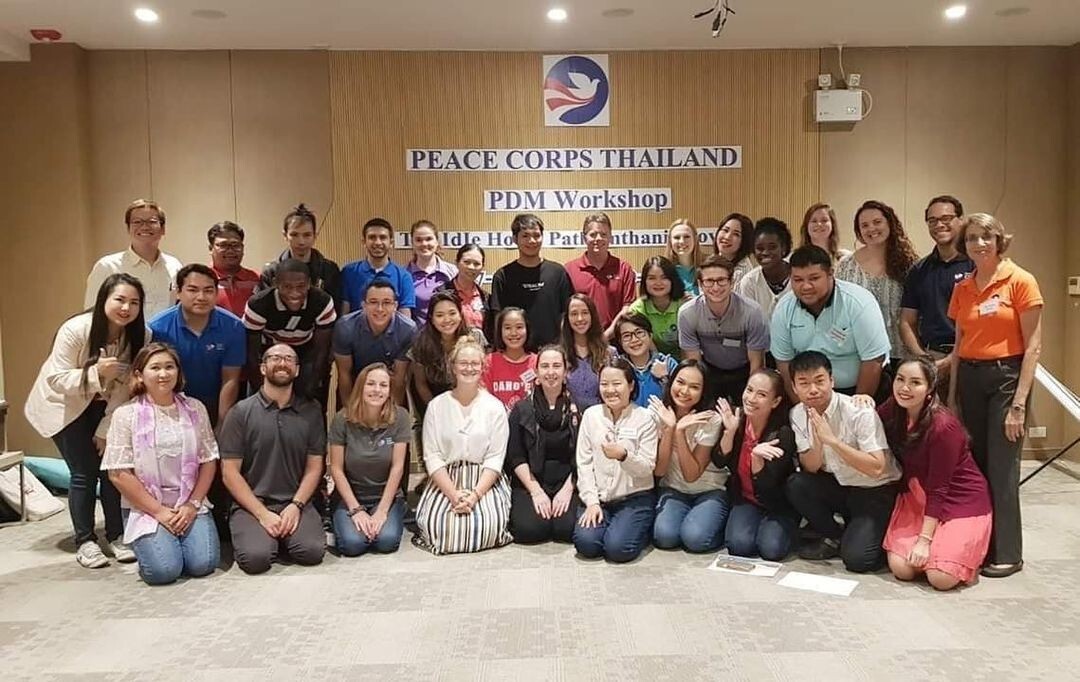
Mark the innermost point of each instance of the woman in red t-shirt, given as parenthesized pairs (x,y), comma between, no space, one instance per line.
(511,371)
(758,446)
(941,523)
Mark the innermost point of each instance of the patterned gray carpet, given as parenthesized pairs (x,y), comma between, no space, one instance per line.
(539,613)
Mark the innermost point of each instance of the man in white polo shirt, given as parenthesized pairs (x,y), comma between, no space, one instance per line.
(143,259)
(846,469)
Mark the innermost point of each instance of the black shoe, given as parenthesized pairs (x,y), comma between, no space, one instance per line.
(1001,570)
(821,550)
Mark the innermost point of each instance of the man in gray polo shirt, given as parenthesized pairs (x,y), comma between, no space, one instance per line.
(272,449)
(725,330)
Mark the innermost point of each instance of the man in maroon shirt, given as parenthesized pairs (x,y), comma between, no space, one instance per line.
(235,282)
(606,279)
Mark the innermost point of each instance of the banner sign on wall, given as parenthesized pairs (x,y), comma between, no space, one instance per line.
(627,199)
(553,239)
(580,159)
(577,90)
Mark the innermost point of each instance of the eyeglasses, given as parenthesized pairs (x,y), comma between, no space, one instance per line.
(229,246)
(637,334)
(145,222)
(380,304)
(714,282)
(942,220)
(279,360)
(469,364)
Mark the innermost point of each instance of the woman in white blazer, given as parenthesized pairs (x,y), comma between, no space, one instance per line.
(82,381)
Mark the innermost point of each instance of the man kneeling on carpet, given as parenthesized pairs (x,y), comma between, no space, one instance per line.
(161,456)
(272,449)
(847,468)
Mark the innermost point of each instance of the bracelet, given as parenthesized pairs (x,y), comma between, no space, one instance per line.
(1018,408)
(298,503)
(354,511)
(924,536)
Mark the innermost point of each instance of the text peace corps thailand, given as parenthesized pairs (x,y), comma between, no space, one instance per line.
(587,158)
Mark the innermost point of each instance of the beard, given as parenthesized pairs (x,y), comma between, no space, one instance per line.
(280,381)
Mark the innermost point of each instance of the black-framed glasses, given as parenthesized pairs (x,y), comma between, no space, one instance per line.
(637,334)
(940,220)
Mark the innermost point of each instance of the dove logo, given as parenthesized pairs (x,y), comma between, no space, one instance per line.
(576,90)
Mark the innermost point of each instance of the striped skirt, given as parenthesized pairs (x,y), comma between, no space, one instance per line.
(444,532)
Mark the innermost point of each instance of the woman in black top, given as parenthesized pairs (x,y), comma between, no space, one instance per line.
(758,446)
(540,455)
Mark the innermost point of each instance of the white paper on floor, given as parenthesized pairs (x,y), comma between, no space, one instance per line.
(819,583)
(744,566)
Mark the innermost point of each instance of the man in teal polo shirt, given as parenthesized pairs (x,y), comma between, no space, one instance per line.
(837,318)
(210,341)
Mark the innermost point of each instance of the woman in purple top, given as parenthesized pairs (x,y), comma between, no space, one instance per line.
(941,523)
(161,455)
(583,341)
(429,272)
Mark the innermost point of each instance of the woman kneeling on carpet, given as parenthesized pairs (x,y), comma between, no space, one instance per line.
(616,454)
(941,523)
(465,506)
(161,456)
(368,441)
(540,455)
(758,447)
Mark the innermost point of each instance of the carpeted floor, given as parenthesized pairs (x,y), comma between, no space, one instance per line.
(539,613)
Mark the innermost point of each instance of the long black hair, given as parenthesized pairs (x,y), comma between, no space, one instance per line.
(689,363)
(133,337)
(897,433)
(428,350)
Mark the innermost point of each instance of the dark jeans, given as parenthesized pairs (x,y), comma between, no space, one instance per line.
(76,444)
(254,548)
(755,531)
(624,531)
(529,529)
(985,391)
(866,513)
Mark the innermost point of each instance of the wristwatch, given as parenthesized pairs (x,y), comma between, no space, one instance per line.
(195,502)
(298,503)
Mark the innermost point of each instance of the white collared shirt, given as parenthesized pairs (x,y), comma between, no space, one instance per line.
(158,278)
(860,428)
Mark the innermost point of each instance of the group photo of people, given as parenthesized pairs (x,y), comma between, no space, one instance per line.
(753,388)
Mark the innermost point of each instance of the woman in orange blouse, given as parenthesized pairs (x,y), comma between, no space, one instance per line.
(998,313)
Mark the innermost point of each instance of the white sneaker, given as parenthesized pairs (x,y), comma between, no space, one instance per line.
(89,555)
(121,552)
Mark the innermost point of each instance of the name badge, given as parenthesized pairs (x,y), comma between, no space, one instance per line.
(988,307)
(729,342)
(838,335)
(528,376)
(478,305)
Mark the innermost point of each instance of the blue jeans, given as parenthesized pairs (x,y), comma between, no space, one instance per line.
(351,542)
(163,557)
(624,531)
(695,522)
(754,531)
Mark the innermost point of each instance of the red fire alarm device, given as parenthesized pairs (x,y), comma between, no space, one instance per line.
(45,35)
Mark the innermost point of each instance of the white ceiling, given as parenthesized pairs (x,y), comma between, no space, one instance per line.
(521,24)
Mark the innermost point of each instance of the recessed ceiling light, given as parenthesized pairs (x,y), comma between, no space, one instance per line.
(617,13)
(146,15)
(1012,12)
(208,14)
(956,12)
(556,14)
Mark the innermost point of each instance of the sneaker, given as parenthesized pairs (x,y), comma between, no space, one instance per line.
(121,552)
(822,550)
(89,555)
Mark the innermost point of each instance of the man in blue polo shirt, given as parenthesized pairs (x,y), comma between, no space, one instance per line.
(837,318)
(378,240)
(211,341)
(376,333)
(925,326)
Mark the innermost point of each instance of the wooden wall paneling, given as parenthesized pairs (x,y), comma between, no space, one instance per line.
(756,100)
(281,137)
(119,144)
(191,146)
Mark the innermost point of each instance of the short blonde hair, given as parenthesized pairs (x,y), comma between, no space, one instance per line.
(986,223)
